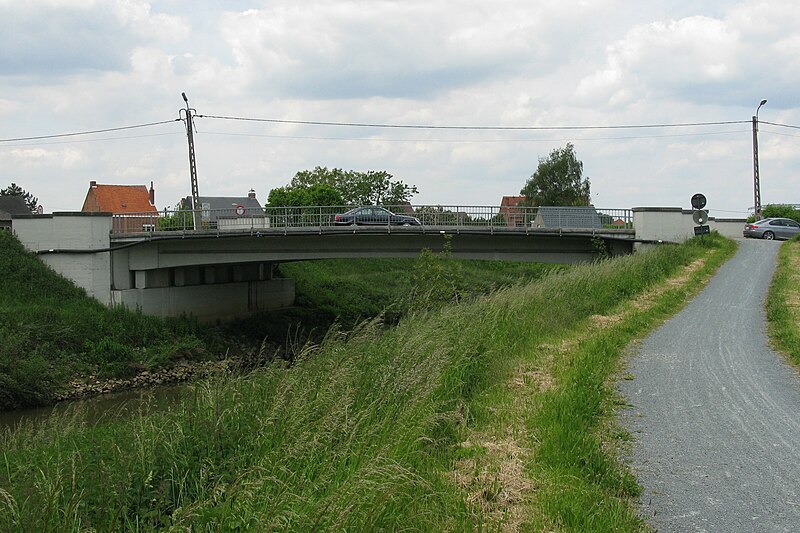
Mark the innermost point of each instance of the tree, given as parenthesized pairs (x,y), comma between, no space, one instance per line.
(558,180)
(319,194)
(15,190)
(323,186)
(781,211)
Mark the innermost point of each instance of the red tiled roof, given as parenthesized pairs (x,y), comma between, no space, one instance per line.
(511,201)
(118,199)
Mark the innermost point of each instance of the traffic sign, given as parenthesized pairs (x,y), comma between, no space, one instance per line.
(698,201)
(700,216)
(702,230)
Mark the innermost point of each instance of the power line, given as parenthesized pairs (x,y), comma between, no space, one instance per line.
(468,141)
(472,128)
(778,124)
(73,141)
(89,132)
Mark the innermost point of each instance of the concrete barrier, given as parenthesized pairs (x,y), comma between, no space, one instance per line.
(76,240)
(674,224)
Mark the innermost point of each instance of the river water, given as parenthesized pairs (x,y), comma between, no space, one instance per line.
(105,406)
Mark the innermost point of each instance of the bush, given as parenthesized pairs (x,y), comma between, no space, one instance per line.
(781,211)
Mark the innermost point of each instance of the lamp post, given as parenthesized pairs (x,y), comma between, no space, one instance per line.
(756,177)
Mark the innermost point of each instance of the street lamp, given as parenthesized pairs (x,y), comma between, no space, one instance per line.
(756,177)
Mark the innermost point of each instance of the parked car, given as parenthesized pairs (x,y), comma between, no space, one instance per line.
(374,216)
(772,228)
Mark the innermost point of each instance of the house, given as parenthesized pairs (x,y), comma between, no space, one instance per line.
(134,205)
(230,212)
(512,210)
(578,217)
(10,206)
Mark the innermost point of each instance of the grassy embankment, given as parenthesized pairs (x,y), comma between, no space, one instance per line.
(52,332)
(783,301)
(480,415)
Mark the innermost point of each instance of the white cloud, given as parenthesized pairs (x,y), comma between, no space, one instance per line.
(44,158)
(74,65)
(660,57)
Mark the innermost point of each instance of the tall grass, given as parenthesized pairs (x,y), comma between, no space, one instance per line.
(783,301)
(51,329)
(351,290)
(363,432)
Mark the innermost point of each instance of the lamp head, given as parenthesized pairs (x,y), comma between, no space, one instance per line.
(762,102)
(187,100)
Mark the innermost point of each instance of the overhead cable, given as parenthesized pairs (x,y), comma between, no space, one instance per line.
(89,132)
(778,124)
(475,128)
(475,141)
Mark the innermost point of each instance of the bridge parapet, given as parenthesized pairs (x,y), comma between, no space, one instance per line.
(238,218)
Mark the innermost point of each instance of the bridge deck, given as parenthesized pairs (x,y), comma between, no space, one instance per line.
(605,233)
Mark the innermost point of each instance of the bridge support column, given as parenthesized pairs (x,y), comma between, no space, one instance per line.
(208,292)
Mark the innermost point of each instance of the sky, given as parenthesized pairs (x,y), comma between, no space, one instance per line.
(70,66)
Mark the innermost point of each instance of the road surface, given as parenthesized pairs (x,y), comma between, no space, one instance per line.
(715,412)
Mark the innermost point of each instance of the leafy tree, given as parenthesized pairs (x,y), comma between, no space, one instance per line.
(316,194)
(15,190)
(180,218)
(558,180)
(777,211)
(323,186)
(781,211)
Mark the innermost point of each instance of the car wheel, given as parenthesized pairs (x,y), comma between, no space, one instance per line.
(768,235)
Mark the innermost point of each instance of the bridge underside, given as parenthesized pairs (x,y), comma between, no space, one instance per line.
(203,249)
(229,275)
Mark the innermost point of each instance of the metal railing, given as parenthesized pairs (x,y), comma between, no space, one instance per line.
(451,216)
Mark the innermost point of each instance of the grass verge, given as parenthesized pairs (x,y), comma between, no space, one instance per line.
(550,414)
(378,429)
(783,302)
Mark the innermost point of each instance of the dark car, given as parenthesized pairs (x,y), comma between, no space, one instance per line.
(374,216)
(772,228)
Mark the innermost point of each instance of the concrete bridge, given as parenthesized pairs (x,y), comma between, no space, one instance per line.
(226,268)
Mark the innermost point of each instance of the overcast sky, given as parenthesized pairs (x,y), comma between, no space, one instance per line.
(76,65)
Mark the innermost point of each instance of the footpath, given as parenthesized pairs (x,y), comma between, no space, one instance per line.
(715,412)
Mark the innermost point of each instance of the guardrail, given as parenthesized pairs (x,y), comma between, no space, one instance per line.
(588,218)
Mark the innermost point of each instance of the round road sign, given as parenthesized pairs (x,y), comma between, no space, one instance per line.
(700,216)
(698,201)
(240,210)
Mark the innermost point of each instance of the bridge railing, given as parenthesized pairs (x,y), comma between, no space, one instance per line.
(241,218)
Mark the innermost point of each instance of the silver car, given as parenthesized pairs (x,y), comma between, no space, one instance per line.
(772,228)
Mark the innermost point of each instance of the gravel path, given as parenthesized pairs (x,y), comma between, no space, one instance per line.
(716,412)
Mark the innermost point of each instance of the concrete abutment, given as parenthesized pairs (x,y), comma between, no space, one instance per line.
(78,246)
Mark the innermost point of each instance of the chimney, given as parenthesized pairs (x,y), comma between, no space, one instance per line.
(251,194)
(92,184)
(152,194)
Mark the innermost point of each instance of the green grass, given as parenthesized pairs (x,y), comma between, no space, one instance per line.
(783,301)
(371,429)
(350,290)
(52,330)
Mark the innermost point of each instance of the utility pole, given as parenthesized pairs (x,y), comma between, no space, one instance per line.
(756,176)
(196,207)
